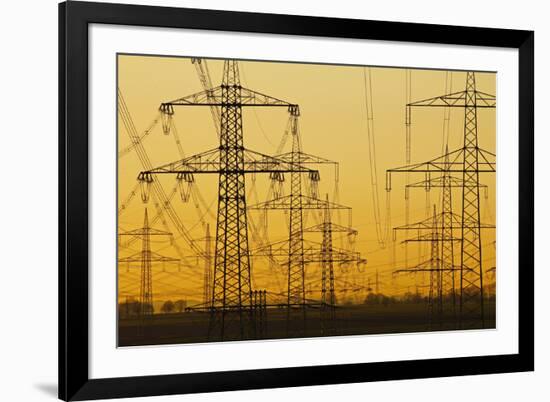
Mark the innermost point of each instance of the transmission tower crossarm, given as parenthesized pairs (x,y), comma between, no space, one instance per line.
(307,203)
(214,97)
(454,163)
(430,237)
(451,162)
(429,225)
(312,255)
(420,270)
(210,162)
(141,232)
(154,257)
(334,227)
(457,99)
(441,181)
(302,157)
(312,252)
(436,264)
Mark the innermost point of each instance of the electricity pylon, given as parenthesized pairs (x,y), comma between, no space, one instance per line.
(296,202)
(324,254)
(146,257)
(469,161)
(437,268)
(328,301)
(446,182)
(444,225)
(231,311)
(328,304)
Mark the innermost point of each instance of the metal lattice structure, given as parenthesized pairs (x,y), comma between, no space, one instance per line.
(231,289)
(471,268)
(324,254)
(328,302)
(468,161)
(448,278)
(231,309)
(449,222)
(328,257)
(296,203)
(296,271)
(146,258)
(436,276)
(436,267)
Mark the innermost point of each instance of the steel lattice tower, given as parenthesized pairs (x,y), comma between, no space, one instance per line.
(434,266)
(328,255)
(231,310)
(328,312)
(471,268)
(436,274)
(146,257)
(324,253)
(469,161)
(447,241)
(232,260)
(296,267)
(296,202)
(448,224)
(146,283)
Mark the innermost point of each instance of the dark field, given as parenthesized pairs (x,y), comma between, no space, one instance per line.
(192,327)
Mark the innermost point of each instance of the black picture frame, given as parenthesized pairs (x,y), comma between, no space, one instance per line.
(74,18)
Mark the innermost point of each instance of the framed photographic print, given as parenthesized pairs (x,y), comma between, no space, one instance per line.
(258,200)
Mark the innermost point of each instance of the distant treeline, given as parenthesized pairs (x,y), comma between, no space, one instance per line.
(133,308)
(412,298)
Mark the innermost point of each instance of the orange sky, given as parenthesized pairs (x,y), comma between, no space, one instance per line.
(333,124)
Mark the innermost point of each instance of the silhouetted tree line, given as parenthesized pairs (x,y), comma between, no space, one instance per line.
(417,298)
(132,307)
